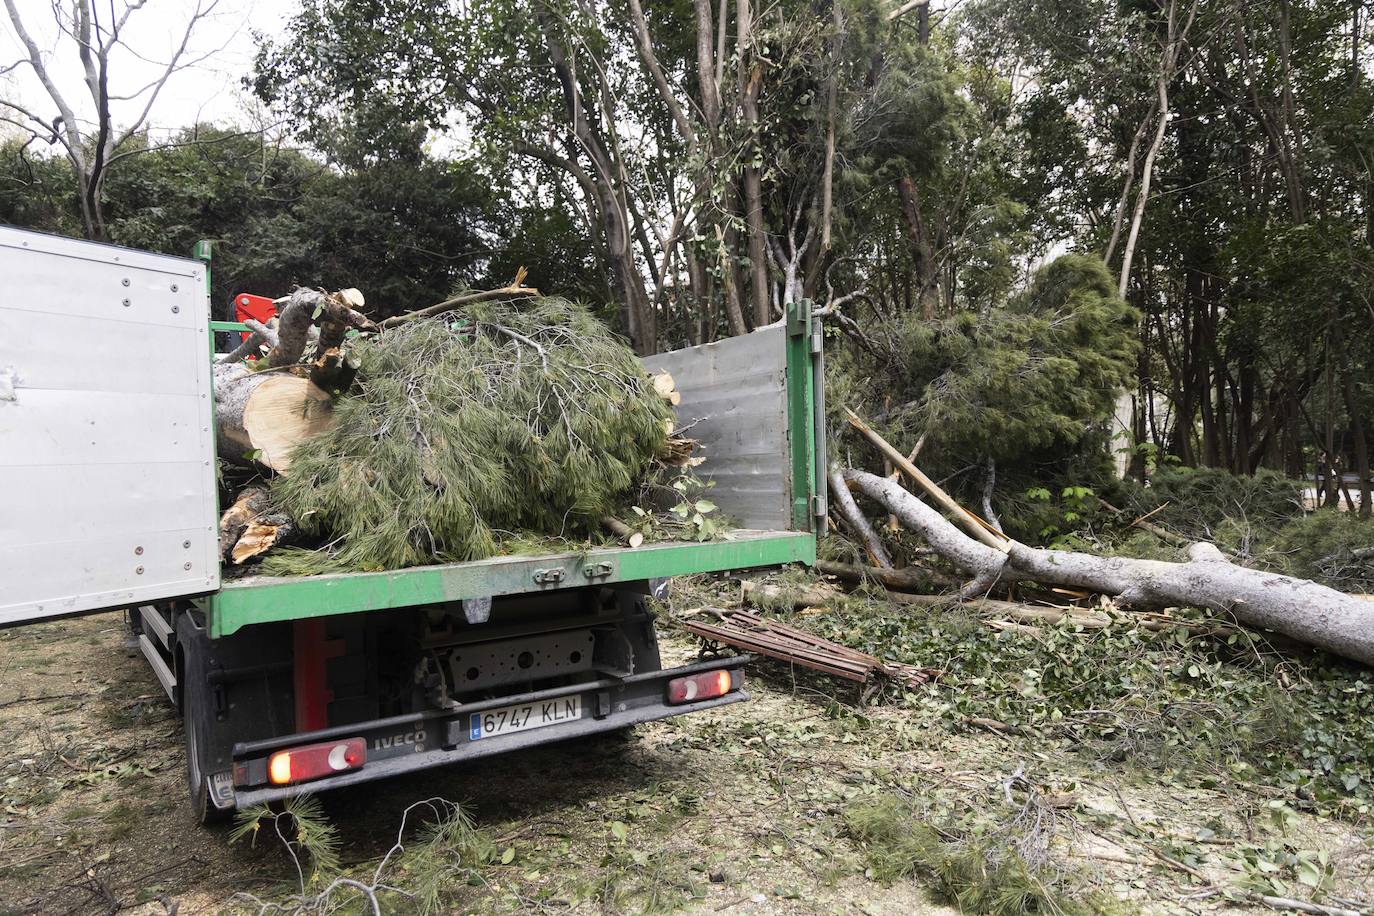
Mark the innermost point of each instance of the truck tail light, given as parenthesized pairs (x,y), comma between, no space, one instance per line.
(312,761)
(695,687)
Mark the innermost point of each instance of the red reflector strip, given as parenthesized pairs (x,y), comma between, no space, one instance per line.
(312,761)
(696,687)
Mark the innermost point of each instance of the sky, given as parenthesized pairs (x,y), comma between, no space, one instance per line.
(209,91)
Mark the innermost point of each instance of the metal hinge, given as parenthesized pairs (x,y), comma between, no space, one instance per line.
(598,570)
(548,576)
(798,317)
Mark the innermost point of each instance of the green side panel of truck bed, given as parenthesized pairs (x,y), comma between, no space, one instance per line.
(262,599)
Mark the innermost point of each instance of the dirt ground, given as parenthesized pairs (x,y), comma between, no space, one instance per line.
(739,810)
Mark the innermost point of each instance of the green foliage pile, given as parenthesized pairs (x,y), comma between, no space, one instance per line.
(1223,710)
(503,417)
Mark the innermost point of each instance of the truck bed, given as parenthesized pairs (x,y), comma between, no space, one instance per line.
(262,599)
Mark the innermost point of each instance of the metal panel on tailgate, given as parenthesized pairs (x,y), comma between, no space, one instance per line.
(734,397)
(107,478)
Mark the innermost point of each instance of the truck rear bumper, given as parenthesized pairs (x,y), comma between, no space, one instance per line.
(404,744)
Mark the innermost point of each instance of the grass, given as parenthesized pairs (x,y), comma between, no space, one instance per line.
(976,870)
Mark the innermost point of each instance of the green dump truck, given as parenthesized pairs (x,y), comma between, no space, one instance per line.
(286,685)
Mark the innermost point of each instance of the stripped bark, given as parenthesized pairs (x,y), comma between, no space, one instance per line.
(989,486)
(1298,608)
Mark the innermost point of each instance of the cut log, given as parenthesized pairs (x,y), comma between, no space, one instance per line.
(623,531)
(666,388)
(261,536)
(262,416)
(246,531)
(1298,608)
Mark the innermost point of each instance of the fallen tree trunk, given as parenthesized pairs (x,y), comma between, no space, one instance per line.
(909,579)
(262,416)
(1297,608)
(849,511)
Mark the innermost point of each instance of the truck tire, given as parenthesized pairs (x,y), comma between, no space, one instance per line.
(195,716)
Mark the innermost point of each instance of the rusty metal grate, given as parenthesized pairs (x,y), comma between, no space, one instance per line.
(776,640)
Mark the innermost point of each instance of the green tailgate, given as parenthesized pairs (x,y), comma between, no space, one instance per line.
(264,599)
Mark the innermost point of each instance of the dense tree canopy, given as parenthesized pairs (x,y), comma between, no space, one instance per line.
(689,167)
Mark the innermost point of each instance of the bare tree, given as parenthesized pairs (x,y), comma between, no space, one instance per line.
(92,146)
(1175,37)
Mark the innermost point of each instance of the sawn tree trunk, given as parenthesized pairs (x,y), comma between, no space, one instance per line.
(263,415)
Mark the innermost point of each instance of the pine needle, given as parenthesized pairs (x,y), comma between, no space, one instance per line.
(524,416)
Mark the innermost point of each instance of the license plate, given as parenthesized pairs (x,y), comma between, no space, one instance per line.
(523,717)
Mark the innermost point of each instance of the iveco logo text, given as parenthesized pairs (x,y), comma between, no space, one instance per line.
(415,738)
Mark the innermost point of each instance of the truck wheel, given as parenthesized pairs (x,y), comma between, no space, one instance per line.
(204,810)
(195,710)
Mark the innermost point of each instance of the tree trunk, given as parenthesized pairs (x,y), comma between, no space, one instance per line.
(1297,608)
(1361,445)
(263,416)
(922,253)
(750,82)
(849,511)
